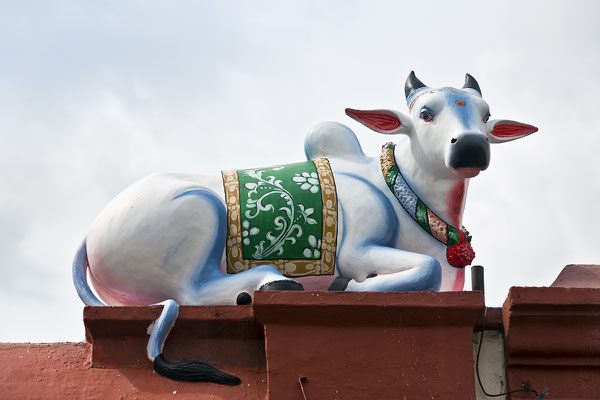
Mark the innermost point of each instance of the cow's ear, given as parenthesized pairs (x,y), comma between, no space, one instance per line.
(503,130)
(382,121)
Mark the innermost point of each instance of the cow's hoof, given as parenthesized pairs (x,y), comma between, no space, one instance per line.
(282,285)
(243,299)
(339,284)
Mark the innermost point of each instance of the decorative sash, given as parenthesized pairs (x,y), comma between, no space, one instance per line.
(284,216)
(459,252)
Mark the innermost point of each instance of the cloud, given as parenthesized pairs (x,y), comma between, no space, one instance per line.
(94,96)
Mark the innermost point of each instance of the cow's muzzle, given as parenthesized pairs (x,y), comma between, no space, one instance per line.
(469,151)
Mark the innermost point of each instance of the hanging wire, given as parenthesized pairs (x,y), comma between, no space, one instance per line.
(300,379)
(538,395)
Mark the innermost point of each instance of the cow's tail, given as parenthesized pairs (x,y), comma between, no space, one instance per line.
(80,265)
(187,371)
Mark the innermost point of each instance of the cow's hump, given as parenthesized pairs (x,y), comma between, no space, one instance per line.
(332,140)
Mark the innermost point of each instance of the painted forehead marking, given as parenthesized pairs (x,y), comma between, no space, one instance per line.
(458,102)
(462,112)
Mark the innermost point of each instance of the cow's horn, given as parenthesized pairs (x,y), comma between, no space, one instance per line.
(412,83)
(471,83)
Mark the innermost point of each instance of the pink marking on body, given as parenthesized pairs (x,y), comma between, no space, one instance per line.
(321,282)
(455,203)
(113,297)
(459,282)
(110,294)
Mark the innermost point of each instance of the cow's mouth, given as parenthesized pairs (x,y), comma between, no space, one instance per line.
(465,173)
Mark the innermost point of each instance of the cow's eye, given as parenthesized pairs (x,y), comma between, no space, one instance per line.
(426,115)
(486,118)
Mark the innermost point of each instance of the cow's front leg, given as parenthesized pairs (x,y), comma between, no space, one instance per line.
(396,270)
(370,230)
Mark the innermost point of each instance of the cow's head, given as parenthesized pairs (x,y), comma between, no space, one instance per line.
(450,130)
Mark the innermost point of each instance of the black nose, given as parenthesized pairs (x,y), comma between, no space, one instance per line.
(469,150)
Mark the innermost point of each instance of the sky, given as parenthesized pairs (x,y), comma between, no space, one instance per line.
(96,95)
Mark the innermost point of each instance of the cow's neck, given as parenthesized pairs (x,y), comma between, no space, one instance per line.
(444,195)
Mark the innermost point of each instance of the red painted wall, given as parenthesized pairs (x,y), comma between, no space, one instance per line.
(346,345)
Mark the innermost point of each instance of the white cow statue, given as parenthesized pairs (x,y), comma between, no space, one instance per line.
(340,221)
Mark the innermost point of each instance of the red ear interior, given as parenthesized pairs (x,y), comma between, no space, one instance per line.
(379,120)
(511,129)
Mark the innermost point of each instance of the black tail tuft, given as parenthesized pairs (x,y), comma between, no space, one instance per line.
(192,371)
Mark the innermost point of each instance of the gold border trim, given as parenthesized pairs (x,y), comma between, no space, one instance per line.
(387,160)
(293,268)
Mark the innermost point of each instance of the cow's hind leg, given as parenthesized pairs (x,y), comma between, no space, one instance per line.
(223,289)
(209,285)
(188,371)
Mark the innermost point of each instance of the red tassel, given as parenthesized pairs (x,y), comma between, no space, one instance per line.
(461,254)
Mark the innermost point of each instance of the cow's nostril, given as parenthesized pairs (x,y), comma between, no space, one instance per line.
(453,140)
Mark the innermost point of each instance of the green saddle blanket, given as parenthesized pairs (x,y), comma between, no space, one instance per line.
(285,216)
